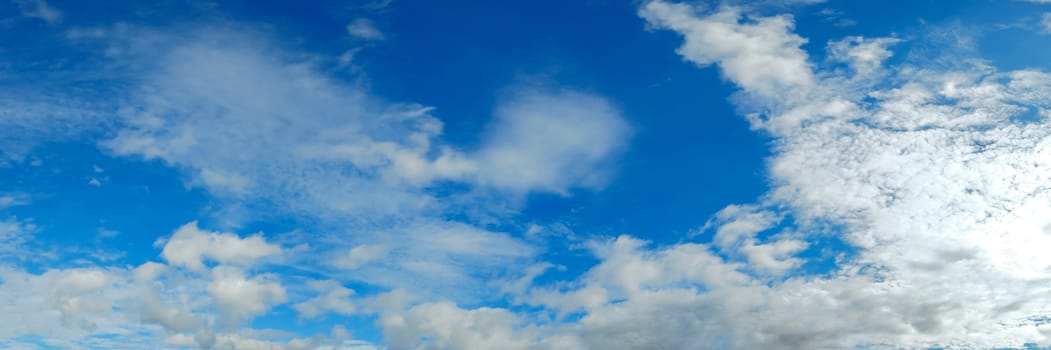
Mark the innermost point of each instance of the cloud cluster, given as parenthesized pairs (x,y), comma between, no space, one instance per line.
(180,303)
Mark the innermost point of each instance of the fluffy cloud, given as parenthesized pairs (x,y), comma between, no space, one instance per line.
(761,55)
(239,298)
(736,228)
(551,141)
(442,325)
(189,246)
(74,292)
(121,308)
(68,307)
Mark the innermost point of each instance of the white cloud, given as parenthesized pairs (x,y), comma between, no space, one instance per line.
(39,9)
(239,298)
(31,117)
(551,141)
(363,28)
(761,55)
(251,125)
(68,308)
(736,228)
(442,325)
(75,294)
(246,124)
(863,55)
(361,255)
(444,259)
(190,246)
(332,297)
(120,308)
(9,200)
(14,233)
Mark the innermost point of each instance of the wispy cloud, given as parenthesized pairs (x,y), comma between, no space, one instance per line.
(39,9)
(363,28)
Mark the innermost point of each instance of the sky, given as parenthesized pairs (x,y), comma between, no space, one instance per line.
(403,174)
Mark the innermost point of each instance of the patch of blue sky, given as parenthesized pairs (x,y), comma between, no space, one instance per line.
(80,198)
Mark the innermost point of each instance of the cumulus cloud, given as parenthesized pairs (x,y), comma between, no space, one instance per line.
(239,298)
(69,307)
(76,294)
(206,309)
(190,246)
(442,325)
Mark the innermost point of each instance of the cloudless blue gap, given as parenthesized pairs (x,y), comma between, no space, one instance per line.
(139,201)
(827,247)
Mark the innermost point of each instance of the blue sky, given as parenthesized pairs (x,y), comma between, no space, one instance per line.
(536,175)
